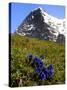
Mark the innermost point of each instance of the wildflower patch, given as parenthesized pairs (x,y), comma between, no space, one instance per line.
(44,72)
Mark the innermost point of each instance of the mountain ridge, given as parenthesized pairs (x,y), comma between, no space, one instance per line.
(40,24)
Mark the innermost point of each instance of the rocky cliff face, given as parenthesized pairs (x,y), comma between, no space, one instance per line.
(39,24)
(60,38)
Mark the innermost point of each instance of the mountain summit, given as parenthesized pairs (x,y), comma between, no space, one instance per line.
(39,24)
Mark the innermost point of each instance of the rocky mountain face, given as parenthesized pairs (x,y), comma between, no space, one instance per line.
(60,38)
(39,24)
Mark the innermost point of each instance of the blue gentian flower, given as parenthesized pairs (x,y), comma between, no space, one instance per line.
(50,74)
(38,61)
(49,71)
(30,56)
(45,72)
(38,70)
(42,76)
(50,67)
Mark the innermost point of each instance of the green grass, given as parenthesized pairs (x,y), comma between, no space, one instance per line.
(54,54)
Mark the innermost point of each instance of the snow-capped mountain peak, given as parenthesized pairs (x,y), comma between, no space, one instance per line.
(55,23)
(40,24)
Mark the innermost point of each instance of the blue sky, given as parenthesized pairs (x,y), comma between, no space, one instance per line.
(20,10)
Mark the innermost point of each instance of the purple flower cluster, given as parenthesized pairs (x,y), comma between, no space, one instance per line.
(40,69)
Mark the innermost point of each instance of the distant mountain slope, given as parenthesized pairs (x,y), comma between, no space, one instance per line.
(39,24)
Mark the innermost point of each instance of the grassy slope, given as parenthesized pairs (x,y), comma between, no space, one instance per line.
(22,46)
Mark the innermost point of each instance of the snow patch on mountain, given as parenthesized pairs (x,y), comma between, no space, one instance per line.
(58,25)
